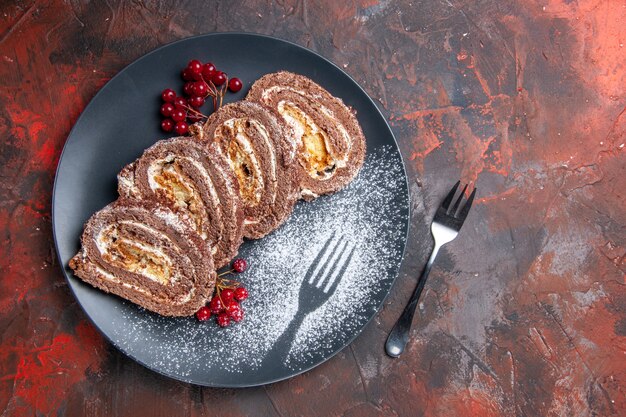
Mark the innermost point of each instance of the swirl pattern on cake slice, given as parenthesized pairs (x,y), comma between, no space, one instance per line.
(148,254)
(181,174)
(325,132)
(255,144)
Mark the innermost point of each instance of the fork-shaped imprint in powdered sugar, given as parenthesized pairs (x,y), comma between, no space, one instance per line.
(318,285)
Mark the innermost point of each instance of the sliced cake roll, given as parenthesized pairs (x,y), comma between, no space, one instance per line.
(148,254)
(329,141)
(254,143)
(181,174)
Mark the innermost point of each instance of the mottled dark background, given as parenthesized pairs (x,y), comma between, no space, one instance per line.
(525,314)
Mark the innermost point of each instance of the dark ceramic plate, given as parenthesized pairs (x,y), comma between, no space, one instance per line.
(283,334)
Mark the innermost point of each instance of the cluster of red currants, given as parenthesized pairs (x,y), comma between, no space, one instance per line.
(201,81)
(225,304)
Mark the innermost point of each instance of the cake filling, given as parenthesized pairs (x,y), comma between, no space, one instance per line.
(313,149)
(168,178)
(242,159)
(122,250)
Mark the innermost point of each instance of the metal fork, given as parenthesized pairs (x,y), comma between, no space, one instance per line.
(319,284)
(444,228)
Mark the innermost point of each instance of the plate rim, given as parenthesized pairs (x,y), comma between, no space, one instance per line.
(173,376)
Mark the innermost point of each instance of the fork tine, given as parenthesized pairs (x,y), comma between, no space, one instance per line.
(450,196)
(467,206)
(335,283)
(458,201)
(326,280)
(309,274)
(329,264)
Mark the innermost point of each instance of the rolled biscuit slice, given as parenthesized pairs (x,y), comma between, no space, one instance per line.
(181,174)
(255,145)
(147,254)
(326,133)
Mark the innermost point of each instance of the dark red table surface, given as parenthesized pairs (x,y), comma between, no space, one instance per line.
(524,314)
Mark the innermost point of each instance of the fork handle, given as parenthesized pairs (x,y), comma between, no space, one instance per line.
(399,336)
(278,354)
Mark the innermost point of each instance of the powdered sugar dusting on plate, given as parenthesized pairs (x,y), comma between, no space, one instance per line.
(367,218)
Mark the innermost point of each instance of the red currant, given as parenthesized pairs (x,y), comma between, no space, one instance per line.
(227,295)
(168,95)
(194,66)
(240,264)
(167,125)
(231,306)
(200,89)
(216,305)
(181,128)
(208,70)
(180,102)
(167,109)
(179,114)
(223,320)
(234,85)
(203,314)
(219,78)
(237,315)
(241,294)
(188,88)
(194,117)
(187,75)
(196,102)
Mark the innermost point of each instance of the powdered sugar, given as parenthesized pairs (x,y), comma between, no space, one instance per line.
(371,215)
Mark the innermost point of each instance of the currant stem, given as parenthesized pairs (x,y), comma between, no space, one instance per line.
(191,109)
(223,283)
(215,93)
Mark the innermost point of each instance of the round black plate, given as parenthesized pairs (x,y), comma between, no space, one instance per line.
(277,339)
